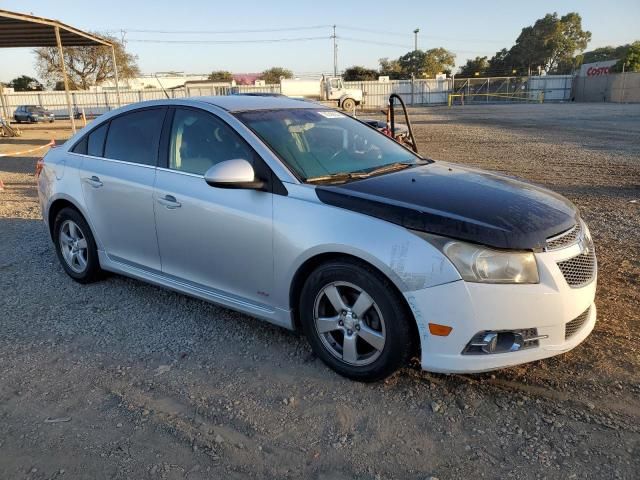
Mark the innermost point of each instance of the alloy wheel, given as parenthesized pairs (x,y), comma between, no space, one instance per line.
(73,245)
(349,323)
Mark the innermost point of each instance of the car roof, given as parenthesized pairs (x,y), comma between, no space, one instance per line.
(240,103)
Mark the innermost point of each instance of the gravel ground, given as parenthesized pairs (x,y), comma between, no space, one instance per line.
(120,379)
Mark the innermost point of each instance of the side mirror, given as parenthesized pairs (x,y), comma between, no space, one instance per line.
(236,173)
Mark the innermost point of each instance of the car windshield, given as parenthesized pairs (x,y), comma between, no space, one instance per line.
(327,146)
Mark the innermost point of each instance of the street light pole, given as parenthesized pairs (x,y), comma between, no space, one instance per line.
(415,39)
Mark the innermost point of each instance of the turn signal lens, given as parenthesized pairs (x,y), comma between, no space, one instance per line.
(439,330)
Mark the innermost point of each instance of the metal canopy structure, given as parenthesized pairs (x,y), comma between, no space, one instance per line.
(21,30)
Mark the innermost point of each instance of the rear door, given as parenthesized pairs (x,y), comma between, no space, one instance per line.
(117,182)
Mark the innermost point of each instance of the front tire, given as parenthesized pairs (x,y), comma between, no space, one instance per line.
(76,247)
(355,321)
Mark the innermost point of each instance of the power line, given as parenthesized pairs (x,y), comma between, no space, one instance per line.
(303,28)
(221,32)
(227,42)
(375,42)
(372,30)
(432,37)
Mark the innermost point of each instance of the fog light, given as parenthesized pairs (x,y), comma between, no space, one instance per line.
(502,341)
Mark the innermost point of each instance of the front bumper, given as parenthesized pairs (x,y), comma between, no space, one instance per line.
(474,307)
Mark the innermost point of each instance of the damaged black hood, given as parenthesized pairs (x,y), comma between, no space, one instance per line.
(459,202)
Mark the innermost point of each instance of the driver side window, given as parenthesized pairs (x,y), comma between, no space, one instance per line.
(199,140)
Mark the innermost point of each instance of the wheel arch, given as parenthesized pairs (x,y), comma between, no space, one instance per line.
(310,264)
(56,206)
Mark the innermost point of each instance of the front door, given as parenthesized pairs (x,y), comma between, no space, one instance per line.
(216,238)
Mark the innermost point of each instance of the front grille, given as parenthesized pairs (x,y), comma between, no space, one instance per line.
(581,269)
(565,239)
(571,328)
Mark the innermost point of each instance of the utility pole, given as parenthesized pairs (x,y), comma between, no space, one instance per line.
(415,40)
(335,53)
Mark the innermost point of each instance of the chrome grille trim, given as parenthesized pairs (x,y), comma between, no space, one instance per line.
(565,239)
(572,327)
(581,269)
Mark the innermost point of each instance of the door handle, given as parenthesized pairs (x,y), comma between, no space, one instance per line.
(93,181)
(169,201)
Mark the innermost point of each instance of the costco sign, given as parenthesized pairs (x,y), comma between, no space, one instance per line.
(596,69)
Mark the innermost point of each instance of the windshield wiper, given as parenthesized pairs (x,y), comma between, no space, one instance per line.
(337,177)
(392,167)
(346,176)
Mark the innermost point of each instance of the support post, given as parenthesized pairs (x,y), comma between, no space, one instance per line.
(65,80)
(5,110)
(115,71)
(413,86)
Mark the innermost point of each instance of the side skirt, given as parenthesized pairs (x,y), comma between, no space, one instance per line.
(277,316)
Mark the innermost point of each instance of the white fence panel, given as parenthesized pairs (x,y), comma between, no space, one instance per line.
(376,94)
(418,92)
(554,87)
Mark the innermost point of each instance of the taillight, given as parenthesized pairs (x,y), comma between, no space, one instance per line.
(39,166)
(40,162)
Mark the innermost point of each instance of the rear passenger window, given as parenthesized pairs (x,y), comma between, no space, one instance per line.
(95,144)
(134,137)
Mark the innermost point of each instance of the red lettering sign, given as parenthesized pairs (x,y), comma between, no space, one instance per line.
(594,72)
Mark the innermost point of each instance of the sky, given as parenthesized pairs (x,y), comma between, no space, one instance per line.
(366,30)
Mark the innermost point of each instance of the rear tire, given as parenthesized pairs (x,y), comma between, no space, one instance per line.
(355,321)
(76,247)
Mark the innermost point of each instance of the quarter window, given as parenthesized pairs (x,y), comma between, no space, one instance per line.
(95,143)
(134,137)
(199,140)
(92,143)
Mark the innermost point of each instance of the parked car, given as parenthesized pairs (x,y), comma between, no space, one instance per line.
(305,217)
(33,114)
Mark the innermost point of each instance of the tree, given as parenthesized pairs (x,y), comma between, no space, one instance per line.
(605,53)
(24,83)
(550,43)
(631,59)
(427,63)
(273,75)
(438,60)
(357,73)
(390,68)
(474,67)
(59,86)
(501,64)
(220,76)
(86,66)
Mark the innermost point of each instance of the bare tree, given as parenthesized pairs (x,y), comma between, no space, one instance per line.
(86,66)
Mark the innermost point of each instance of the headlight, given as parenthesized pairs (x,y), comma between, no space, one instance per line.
(480,264)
